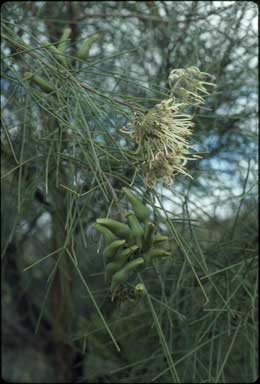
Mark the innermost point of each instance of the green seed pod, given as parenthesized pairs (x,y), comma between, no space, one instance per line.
(123,274)
(141,211)
(63,45)
(121,230)
(43,84)
(86,45)
(148,235)
(58,55)
(137,231)
(125,253)
(111,249)
(131,239)
(112,268)
(108,235)
(159,238)
(153,253)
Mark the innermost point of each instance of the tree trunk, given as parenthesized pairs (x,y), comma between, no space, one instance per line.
(61,295)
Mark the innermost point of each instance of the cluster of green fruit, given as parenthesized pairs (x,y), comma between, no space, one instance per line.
(129,247)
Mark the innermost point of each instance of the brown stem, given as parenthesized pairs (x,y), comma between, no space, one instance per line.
(72,18)
(61,289)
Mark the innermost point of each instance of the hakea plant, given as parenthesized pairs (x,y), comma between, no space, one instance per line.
(161,133)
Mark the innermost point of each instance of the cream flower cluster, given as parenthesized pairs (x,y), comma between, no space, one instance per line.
(189,85)
(161,133)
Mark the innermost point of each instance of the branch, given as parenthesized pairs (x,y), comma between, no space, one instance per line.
(114,100)
(156,19)
(130,15)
